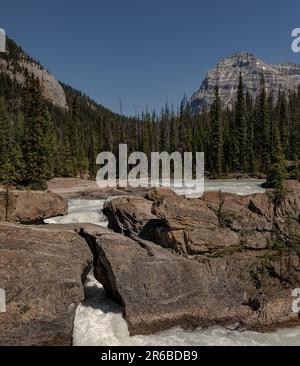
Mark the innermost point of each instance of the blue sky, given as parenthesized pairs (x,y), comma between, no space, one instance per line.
(144,52)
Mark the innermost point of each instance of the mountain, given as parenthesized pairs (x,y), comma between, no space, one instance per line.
(68,127)
(284,76)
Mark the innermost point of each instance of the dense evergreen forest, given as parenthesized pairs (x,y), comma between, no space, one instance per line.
(39,141)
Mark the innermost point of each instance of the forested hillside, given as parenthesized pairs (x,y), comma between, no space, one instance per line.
(39,140)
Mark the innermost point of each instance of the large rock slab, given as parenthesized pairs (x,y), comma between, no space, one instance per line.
(159,289)
(234,212)
(30,207)
(191,227)
(42,270)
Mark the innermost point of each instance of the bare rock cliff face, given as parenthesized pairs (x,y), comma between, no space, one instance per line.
(51,88)
(278,77)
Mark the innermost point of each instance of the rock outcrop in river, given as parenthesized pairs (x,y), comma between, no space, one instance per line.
(223,259)
(30,207)
(218,221)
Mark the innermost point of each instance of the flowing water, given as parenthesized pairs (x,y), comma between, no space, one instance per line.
(99,321)
(82,211)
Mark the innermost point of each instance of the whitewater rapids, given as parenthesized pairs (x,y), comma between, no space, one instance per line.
(99,322)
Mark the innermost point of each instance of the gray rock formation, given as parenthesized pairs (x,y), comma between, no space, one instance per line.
(215,223)
(42,270)
(278,77)
(223,259)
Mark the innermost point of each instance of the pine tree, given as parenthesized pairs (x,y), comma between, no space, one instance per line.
(232,150)
(34,146)
(250,128)
(283,123)
(277,173)
(240,122)
(4,142)
(92,157)
(51,145)
(263,132)
(73,136)
(64,162)
(216,137)
(10,155)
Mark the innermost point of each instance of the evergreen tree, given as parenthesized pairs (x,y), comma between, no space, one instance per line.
(283,123)
(64,160)
(216,137)
(73,136)
(92,157)
(51,145)
(10,155)
(263,132)
(34,146)
(240,122)
(232,149)
(277,173)
(4,142)
(251,158)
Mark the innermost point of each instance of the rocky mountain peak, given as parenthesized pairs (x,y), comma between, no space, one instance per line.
(284,76)
(242,57)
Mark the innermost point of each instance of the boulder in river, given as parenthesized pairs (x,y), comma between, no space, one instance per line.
(30,207)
